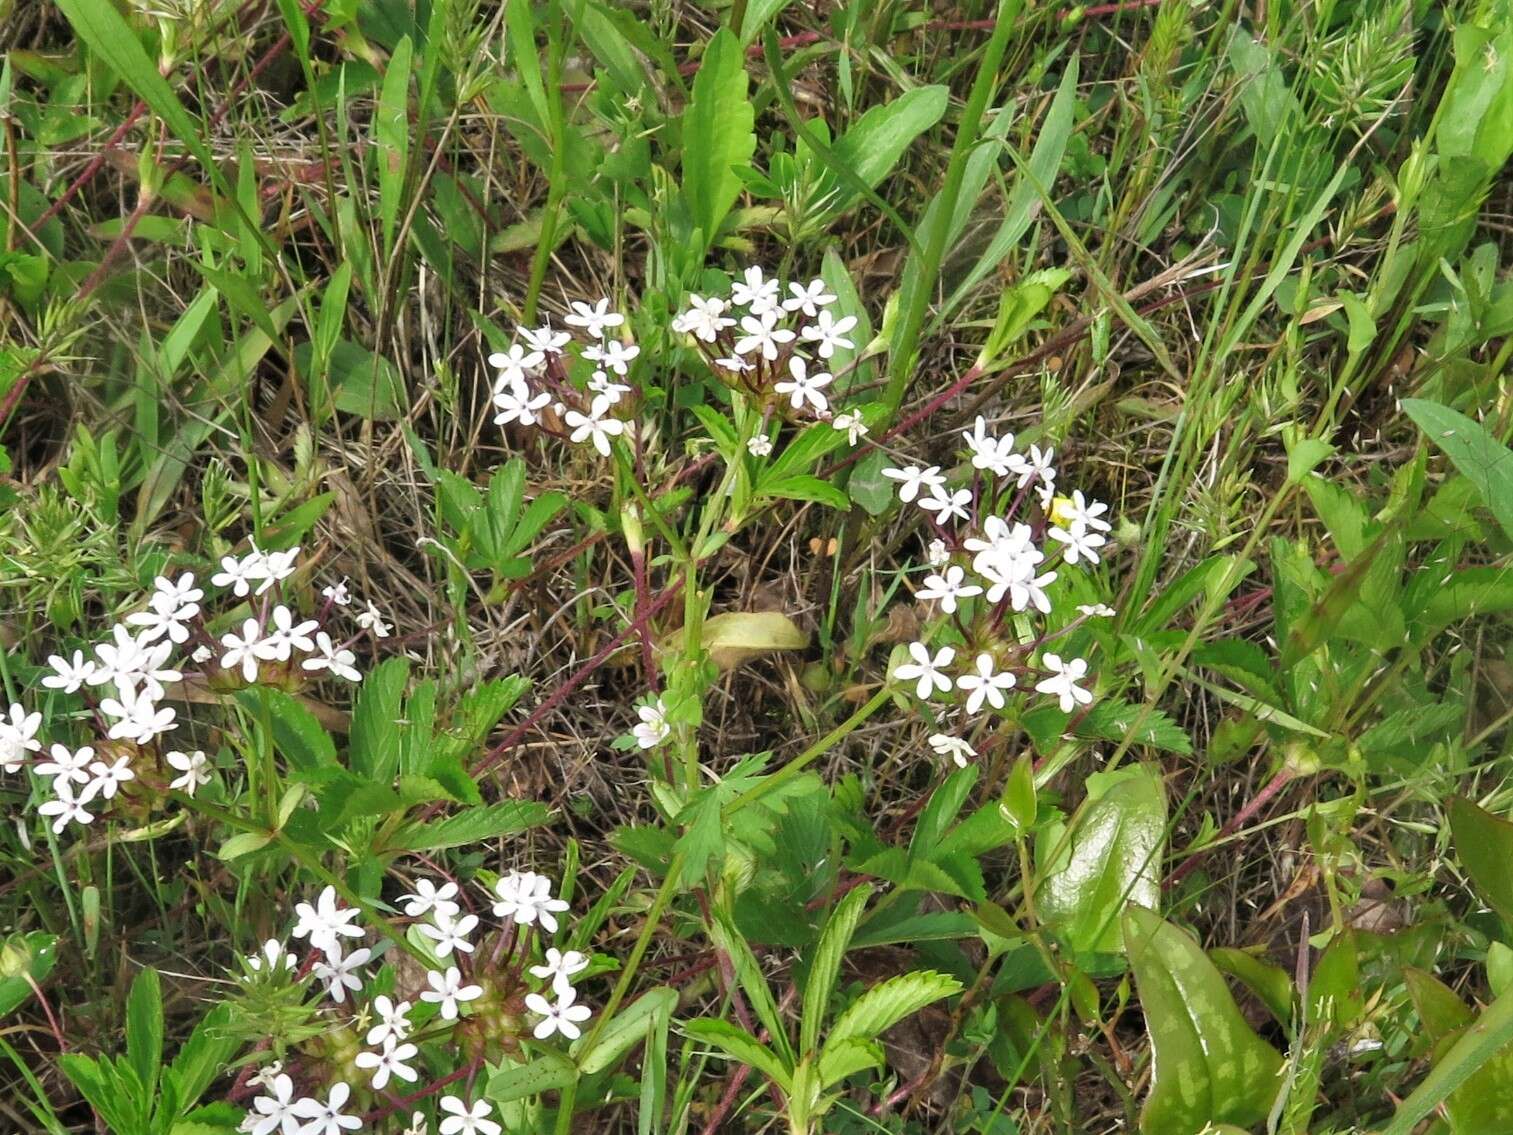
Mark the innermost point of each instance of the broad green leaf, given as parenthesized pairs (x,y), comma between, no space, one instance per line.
(1484,843)
(804,488)
(1268,982)
(144,1027)
(375,733)
(629,1026)
(1476,1106)
(717,133)
(1209,1065)
(739,1045)
(825,967)
(204,1056)
(489,821)
(1110,858)
(885,1004)
(550,1071)
(847,1058)
(874,144)
(1479,457)
(1118,721)
(867,485)
(391,132)
(21,955)
(297,736)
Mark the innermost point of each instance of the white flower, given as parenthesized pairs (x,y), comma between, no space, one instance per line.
(829,333)
(855,428)
(514,365)
(937,554)
(393,1021)
(389,1061)
(340,972)
(418,1124)
(945,745)
(593,319)
(987,683)
(68,674)
(600,385)
(808,299)
(752,291)
(194,770)
(328,656)
(911,479)
(274,1110)
(267,1075)
(243,651)
(106,779)
(759,445)
(325,921)
(238,573)
(67,765)
(274,567)
(926,670)
(594,426)
(562,1017)
(67,806)
(1005,544)
(545,340)
(201,654)
(170,607)
(560,967)
(122,660)
(526,897)
(338,593)
(948,588)
(613,355)
(327,1118)
(515,404)
(653,728)
(287,636)
(449,933)
(734,364)
(273,957)
(448,991)
(994,454)
(946,506)
(1080,543)
(1077,509)
(428,897)
(1018,580)
(1037,464)
(762,334)
(139,718)
(704,319)
(467,1119)
(372,619)
(1063,681)
(1096,610)
(804,387)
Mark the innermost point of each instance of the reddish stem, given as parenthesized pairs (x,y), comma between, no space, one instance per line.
(1236,822)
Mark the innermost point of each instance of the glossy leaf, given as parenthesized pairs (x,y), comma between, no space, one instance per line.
(21,955)
(1210,1066)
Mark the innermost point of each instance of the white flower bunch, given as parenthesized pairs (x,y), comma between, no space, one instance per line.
(522,899)
(1013,534)
(124,681)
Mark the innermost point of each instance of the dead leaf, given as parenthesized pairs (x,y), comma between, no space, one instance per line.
(737,637)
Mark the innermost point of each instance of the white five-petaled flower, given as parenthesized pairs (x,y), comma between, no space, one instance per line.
(390,1060)
(326,921)
(808,299)
(948,588)
(526,897)
(828,333)
(275,567)
(428,897)
(328,1118)
(704,319)
(517,404)
(937,554)
(239,573)
(947,504)
(449,933)
(594,426)
(1063,681)
(560,967)
(138,716)
(563,1016)
(763,335)
(467,1119)
(911,479)
(448,991)
(67,806)
(67,764)
(1079,543)
(393,1021)
(945,745)
(273,1111)
(852,424)
(593,319)
(925,670)
(106,779)
(653,728)
(340,972)
(514,365)
(545,339)
(68,674)
(601,385)
(371,619)
(287,636)
(244,651)
(755,292)
(993,454)
(193,769)
(171,606)
(759,445)
(328,656)
(985,683)
(803,387)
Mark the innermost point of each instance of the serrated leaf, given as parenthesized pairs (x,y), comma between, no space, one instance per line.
(846,1059)
(471,826)
(1117,721)
(739,1045)
(1209,1065)
(375,739)
(717,133)
(884,1005)
(825,967)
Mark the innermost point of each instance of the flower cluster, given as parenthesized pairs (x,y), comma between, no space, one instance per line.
(125,679)
(1013,534)
(447,939)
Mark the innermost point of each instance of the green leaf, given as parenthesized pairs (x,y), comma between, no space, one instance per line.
(874,144)
(144,1027)
(204,1056)
(1477,1049)
(652,1009)
(748,972)
(1116,721)
(1111,857)
(867,485)
(297,735)
(1209,1065)
(1480,457)
(804,488)
(1485,846)
(847,1058)
(391,132)
(243,843)
(375,738)
(471,826)
(737,637)
(834,940)
(32,954)
(740,1046)
(548,1072)
(717,133)
(885,1004)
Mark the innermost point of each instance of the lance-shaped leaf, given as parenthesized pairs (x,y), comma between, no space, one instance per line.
(1109,859)
(1210,1066)
(1485,845)
(717,133)
(737,637)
